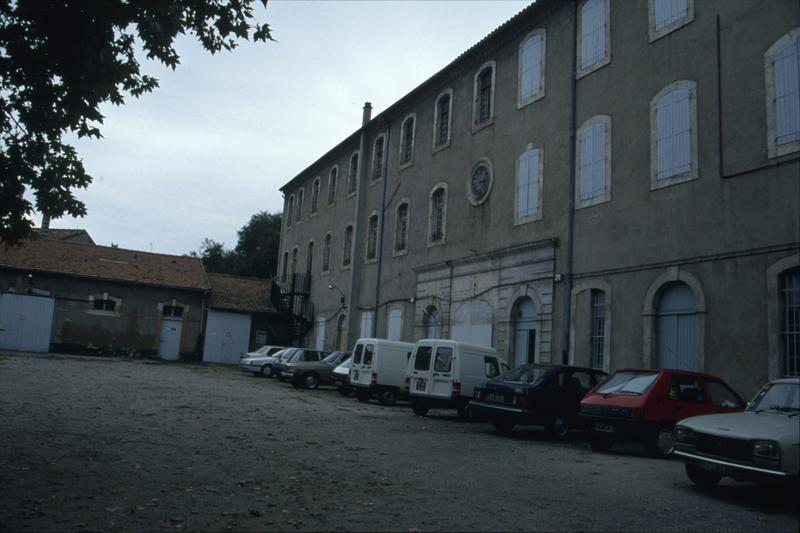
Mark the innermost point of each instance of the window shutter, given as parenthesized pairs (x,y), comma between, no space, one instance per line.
(787,93)
(522,187)
(587,159)
(533,182)
(598,159)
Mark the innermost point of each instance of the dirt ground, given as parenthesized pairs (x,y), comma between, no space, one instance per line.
(98,444)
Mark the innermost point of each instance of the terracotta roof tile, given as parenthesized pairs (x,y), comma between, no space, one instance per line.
(108,263)
(240,294)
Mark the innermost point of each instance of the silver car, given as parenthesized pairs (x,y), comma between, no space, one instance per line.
(262,352)
(760,444)
(263,365)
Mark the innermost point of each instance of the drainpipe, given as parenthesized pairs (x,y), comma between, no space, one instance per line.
(380,224)
(571,210)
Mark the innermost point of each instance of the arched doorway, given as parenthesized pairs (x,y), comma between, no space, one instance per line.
(431,324)
(524,331)
(676,321)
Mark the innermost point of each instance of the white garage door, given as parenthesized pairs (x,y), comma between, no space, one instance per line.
(473,323)
(25,322)
(227,336)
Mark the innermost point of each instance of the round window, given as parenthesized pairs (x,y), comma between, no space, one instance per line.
(480,184)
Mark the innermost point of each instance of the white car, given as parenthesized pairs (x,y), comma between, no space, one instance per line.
(262,352)
(264,364)
(760,444)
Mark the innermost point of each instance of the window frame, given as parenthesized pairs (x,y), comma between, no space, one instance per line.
(773,148)
(373,215)
(352,174)
(310,256)
(327,253)
(605,196)
(438,242)
(333,184)
(348,254)
(693,172)
(657,33)
(104,297)
(289,211)
(315,188)
(405,163)
(538,95)
(478,124)
(437,120)
(403,251)
(605,59)
(298,213)
(376,170)
(537,213)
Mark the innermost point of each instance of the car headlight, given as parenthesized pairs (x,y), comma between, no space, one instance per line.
(684,434)
(765,448)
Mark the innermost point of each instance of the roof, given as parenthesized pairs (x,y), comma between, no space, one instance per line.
(234,293)
(106,263)
(495,38)
(79,235)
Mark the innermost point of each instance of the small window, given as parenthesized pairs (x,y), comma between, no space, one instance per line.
(352,174)
(299,209)
(722,395)
(333,178)
(294,260)
(347,250)
(105,305)
(369,349)
(491,366)
(441,124)
(423,359)
(529,185)
(284,266)
(326,253)
(444,360)
(436,230)
(377,158)
(686,389)
(673,147)
(401,228)
(172,311)
(407,141)
(372,238)
(667,16)
(483,109)
(314,195)
(309,257)
(593,36)
(531,68)
(289,210)
(594,161)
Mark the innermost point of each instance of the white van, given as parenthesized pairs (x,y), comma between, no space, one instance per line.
(443,373)
(379,368)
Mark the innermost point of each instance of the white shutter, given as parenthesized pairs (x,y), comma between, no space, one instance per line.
(533,182)
(674,133)
(522,187)
(586,164)
(599,159)
(787,93)
(669,11)
(531,67)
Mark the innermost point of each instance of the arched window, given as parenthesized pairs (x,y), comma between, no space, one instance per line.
(594,162)
(372,237)
(333,178)
(593,36)
(673,143)
(675,327)
(407,140)
(394,327)
(441,122)
(315,195)
(431,325)
(531,68)
(401,228)
(290,210)
(299,208)
(438,215)
(789,287)
(285,267)
(294,260)
(377,157)
(310,258)
(326,253)
(524,326)
(667,16)
(782,70)
(529,186)
(347,249)
(483,108)
(352,174)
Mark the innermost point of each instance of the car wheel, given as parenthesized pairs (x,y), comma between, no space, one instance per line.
(311,381)
(702,478)
(363,395)
(503,427)
(419,408)
(600,441)
(559,427)
(387,397)
(266,371)
(465,412)
(661,443)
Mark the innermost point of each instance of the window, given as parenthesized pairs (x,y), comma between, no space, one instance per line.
(172,311)
(372,237)
(422,361)
(444,360)
(594,161)
(289,210)
(432,329)
(299,208)
(104,304)
(310,258)
(667,16)
(333,177)
(377,158)
(673,144)
(326,253)
(369,349)
(782,70)
(352,174)
(394,326)
(441,121)
(722,395)
(285,266)
(686,389)
(529,185)
(366,326)
(314,195)
(597,336)
(401,228)
(483,108)
(531,68)
(491,367)
(294,260)
(480,182)
(790,322)
(438,214)
(407,141)
(347,250)
(593,36)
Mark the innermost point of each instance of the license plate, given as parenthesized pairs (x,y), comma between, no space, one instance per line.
(496,398)
(420,386)
(606,428)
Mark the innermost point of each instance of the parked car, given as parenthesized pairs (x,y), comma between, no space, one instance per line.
(442,373)
(379,369)
(263,351)
(299,355)
(341,375)
(310,374)
(761,444)
(644,405)
(264,365)
(536,394)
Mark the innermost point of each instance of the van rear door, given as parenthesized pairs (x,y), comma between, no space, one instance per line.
(421,370)
(361,372)
(442,375)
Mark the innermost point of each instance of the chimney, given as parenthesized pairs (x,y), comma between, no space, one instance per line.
(367,115)
(45,230)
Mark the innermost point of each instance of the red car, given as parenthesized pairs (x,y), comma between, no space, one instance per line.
(644,405)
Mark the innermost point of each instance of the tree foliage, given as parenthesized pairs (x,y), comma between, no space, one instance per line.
(256,253)
(61,59)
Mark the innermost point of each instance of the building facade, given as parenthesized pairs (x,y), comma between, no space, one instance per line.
(600,182)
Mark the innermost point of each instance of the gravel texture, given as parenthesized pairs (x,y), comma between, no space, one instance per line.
(95,444)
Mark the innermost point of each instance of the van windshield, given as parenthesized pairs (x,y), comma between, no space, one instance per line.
(526,374)
(635,383)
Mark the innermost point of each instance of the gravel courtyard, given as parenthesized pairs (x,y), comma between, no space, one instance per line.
(94,444)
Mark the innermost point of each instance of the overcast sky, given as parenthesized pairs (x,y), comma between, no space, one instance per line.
(212,145)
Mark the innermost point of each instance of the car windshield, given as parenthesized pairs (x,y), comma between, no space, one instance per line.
(283,354)
(332,358)
(263,350)
(344,367)
(780,397)
(635,383)
(526,374)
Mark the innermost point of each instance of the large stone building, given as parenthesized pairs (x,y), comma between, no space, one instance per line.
(604,182)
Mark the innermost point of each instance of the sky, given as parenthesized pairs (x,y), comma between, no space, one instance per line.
(212,145)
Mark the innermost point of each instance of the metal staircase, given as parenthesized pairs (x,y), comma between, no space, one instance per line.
(291,298)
